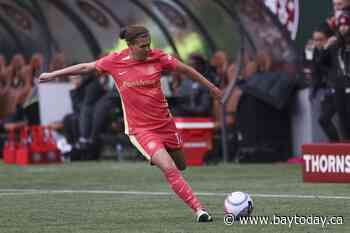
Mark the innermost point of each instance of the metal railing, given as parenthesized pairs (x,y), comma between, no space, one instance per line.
(227,94)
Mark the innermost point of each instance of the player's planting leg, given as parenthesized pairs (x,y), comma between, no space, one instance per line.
(179,158)
(179,185)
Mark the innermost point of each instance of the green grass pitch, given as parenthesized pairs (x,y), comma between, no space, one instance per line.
(88,198)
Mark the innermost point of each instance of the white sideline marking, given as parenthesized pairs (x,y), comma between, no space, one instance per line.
(13,192)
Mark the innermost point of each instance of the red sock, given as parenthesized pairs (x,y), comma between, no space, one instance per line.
(182,189)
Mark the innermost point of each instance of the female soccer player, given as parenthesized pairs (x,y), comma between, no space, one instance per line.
(148,122)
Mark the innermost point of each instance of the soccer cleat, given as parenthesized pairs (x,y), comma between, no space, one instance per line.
(203,216)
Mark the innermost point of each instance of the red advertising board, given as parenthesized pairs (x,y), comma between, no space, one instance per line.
(326,162)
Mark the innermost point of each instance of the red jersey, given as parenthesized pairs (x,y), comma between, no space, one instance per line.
(144,105)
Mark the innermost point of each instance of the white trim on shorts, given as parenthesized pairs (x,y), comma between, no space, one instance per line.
(139,147)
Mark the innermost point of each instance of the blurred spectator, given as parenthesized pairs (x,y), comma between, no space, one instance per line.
(19,118)
(321,79)
(37,64)
(2,63)
(196,99)
(3,80)
(219,63)
(16,92)
(18,81)
(7,102)
(176,78)
(88,117)
(31,103)
(57,62)
(337,59)
(250,67)
(94,99)
(339,6)
(17,62)
(307,61)
(226,73)
(166,83)
(319,73)
(71,121)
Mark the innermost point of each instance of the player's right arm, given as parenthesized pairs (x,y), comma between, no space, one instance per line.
(82,68)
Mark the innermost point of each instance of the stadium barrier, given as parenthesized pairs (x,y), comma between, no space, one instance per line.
(326,162)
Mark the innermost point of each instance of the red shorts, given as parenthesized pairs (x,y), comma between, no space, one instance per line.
(149,142)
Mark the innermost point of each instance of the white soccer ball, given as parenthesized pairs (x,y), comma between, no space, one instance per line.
(238,204)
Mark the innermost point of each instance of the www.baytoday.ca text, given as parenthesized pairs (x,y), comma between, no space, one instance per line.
(323,221)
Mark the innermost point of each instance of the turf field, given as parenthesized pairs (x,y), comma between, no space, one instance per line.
(106,197)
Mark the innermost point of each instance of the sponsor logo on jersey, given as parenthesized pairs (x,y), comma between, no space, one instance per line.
(138,83)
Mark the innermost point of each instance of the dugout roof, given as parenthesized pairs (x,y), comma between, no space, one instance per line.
(84,29)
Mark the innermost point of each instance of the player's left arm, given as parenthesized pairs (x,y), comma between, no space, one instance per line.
(196,76)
